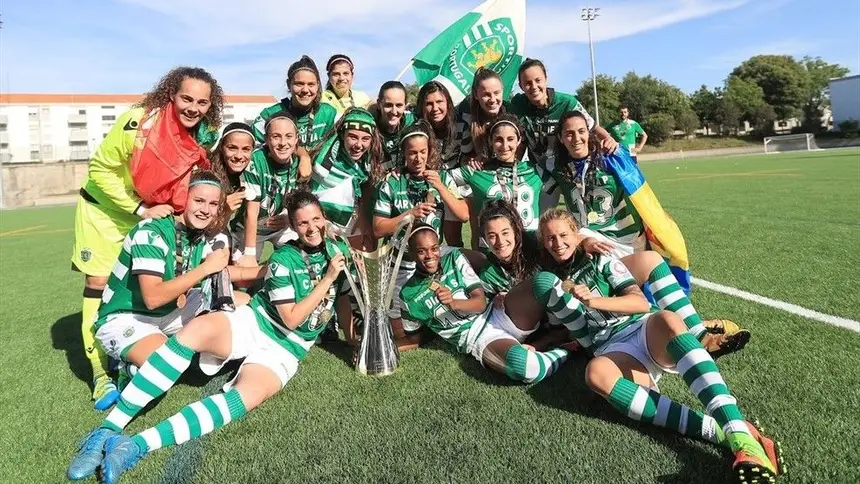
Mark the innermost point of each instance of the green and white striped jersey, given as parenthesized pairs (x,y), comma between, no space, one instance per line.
(420,305)
(312,125)
(540,123)
(268,182)
(606,277)
(613,214)
(393,158)
(400,192)
(495,181)
(292,274)
(149,248)
(337,181)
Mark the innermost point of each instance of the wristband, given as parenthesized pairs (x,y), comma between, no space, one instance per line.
(140,209)
(250,251)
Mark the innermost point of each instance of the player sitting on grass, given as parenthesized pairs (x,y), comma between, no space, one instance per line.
(598,300)
(596,200)
(303,290)
(446,295)
(426,193)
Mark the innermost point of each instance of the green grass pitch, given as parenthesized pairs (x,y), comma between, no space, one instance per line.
(783,226)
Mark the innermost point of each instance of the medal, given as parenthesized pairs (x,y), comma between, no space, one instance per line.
(325,316)
(435,286)
(592,217)
(180,301)
(567,286)
(430,197)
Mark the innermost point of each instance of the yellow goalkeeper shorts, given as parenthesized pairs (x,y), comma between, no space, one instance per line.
(99,234)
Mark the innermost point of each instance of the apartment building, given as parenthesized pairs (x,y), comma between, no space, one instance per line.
(44,128)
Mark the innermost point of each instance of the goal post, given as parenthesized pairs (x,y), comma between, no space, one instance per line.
(790,142)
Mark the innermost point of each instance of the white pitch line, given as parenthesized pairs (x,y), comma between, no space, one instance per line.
(788,307)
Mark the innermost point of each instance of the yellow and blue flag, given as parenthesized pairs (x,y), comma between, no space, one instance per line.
(661,231)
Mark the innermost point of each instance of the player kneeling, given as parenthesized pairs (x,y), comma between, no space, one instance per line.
(603,307)
(446,295)
(303,287)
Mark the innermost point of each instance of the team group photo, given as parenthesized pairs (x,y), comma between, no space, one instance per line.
(316,273)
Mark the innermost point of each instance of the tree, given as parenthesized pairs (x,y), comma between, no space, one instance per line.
(746,96)
(782,79)
(649,95)
(659,127)
(607,96)
(818,74)
(706,105)
(688,122)
(728,115)
(412,93)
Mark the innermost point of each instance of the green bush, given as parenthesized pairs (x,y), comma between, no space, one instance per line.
(849,128)
(659,127)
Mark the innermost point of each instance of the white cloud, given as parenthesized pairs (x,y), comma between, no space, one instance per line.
(729,60)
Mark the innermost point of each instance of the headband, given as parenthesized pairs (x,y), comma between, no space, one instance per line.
(413,133)
(339,58)
(359,119)
(420,228)
(508,122)
(305,68)
(204,181)
(237,130)
(279,116)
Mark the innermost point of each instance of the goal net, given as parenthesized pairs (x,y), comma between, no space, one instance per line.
(790,142)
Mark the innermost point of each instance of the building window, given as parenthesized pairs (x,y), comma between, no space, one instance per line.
(82,111)
(33,113)
(108,117)
(108,107)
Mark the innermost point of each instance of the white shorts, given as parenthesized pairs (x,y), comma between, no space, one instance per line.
(620,250)
(278,239)
(255,346)
(122,330)
(499,319)
(482,333)
(633,341)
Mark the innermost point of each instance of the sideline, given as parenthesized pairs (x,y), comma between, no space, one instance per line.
(849,324)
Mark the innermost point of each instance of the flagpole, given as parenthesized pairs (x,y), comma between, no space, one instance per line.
(589,14)
(404,70)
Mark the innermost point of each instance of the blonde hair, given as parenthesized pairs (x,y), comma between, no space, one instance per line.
(552,215)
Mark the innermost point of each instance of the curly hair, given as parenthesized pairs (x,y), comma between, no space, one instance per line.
(563,160)
(423,126)
(167,87)
(219,222)
(523,262)
(502,120)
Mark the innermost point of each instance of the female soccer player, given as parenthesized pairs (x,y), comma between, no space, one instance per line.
(599,301)
(269,179)
(597,201)
(391,117)
(346,167)
(338,91)
(425,192)
(446,295)
(186,100)
(304,289)
(313,117)
(230,158)
(504,175)
(435,106)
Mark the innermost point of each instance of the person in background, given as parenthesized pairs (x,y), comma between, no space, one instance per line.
(629,133)
(339,93)
(186,102)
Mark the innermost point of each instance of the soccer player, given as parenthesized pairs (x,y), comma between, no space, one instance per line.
(597,201)
(269,179)
(504,176)
(629,133)
(425,192)
(599,301)
(346,168)
(303,290)
(188,99)
(230,158)
(539,107)
(313,117)
(391,117)
(446,295)
(338,91)
(435,106)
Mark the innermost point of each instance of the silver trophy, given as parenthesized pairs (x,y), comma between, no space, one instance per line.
(373,288)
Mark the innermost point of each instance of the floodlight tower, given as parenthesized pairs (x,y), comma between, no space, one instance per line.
(589,14)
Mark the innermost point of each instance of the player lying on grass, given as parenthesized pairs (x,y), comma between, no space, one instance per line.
(426,193)
(271,176)
(446,295)
(303,290)
(154,288)
(595,198)
(598,300)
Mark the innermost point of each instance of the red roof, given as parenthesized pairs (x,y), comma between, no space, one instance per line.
(16,98)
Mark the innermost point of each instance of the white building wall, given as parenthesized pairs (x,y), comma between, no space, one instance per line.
(845,99)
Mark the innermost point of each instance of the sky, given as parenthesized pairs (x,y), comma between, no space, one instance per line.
(125,46)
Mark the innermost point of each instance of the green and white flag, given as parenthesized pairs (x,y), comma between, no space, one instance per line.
(492,35)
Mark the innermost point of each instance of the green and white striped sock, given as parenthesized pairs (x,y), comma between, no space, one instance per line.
(699,371)
(529,366)
(562,306)
(669,296)
(193,421)
(648,406)
(157,375)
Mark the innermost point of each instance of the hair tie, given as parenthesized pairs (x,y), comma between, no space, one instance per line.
(339,58)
